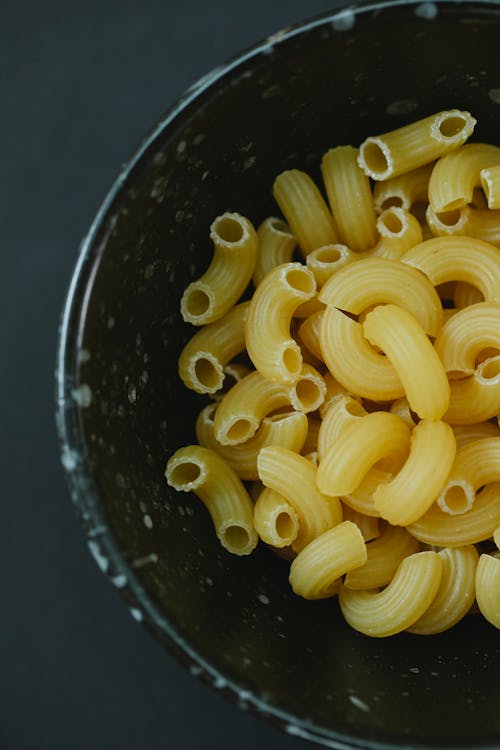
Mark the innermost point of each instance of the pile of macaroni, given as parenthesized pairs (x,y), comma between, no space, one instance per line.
(364,446)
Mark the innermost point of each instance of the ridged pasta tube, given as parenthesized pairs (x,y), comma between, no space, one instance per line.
(276,521)
(276,246)
(476,464)
(403,191)
(225,280)
(384,556)
(455,176)
(488,588)
(469,332)
(490,182)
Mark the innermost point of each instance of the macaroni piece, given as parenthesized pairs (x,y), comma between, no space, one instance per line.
(276,246)
(403,191)
(399,231)
(488,588)
(368,525)
(384,555)
(200,470)
(490,182)
(221,286)
(455,176)
(476,464)
(276,520)
(327,260)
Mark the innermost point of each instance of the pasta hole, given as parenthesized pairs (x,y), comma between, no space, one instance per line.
(184,473)
(235,538)
(486,354)
(391,221)
(307,393)
(491,368)
(206,373)
(197,302)
(279,226)
(393,201)
(300,280)
(239,431)
(451,126)
(375,159)
(328,254)
(229,229)
(354,408)
(449,218)
(285,526)
(456,499)
(292,360)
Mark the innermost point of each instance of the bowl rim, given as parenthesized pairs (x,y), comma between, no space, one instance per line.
(70,398)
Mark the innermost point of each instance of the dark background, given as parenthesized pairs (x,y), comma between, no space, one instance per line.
(81,83)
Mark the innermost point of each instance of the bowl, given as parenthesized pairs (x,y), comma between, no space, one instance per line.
(122,409)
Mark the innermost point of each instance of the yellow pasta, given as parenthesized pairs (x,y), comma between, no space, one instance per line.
(271,348)
(357,449)
(361,499)
(315,572)
(482,224)
(445,259)
(276,246)
(294,477)
(476,464)
(375,281)
(333,391)
(288,429)
(403,191)
(305,210)
(309,334)
(401,603)
(350,197)
(202,361)
(465,295)
(488,588)
(414,145)
(399,231)
(455,595)
(490,182)
(401,408)
(496,537)
(342,412)
(311,441)
(276,521)
(455,176)
(327,260)
(463,338)
(384,555)
(200,470)
(411,493)
(476,398)
(476,525)
(223,283)
(469,433)
(368,525)
(415,360)
(353,362)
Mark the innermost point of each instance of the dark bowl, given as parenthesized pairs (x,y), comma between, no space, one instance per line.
(122,409)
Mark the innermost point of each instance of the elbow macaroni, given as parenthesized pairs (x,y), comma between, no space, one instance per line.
(390,343)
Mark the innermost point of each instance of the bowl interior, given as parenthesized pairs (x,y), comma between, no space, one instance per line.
(333,82)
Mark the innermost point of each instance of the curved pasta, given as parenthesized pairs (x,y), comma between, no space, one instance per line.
(200,470)
(375,281)
(469,332)
(456,592)
(325,261)
(294,477)
(315,572)
(455,176)
(309,390)
(476,525)
(445,259)
(267,328)
(476,398)
(384,556)
(361,499)
(288,429)
(333,391)
(413,490)
(350,197)
(490,182)
(342,412)
(402,603)
(414,145)
(368,525)
(276,521)
(225,280)
(276,246)
(403,191)
(483,224)
(415,360)
(353,362)
(469,433)
(401,408)
(399,231)
(201,362)
(465,295)
(476,464)
(488,588)
(305,210)
(311,442)
(357,449)
(309,334)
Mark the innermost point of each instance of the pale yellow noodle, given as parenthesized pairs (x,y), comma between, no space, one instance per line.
(401,604)
(469,433)
(401,408)
(276,521)
(200,470)
(456,592)
(476,464)
(490,182)
(276,246)
(384,555)
(327,260)
(455,176)
(465,295)
(305,210)
(315,572)
(342,412)
(416,362)
(309,334)
(403,191)
(223,283)
(399,231)
(368,525)
(488,588)
(476,398)
(468,333)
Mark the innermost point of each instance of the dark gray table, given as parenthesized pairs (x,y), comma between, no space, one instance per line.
(81,83)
